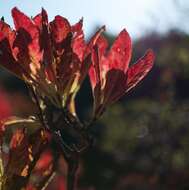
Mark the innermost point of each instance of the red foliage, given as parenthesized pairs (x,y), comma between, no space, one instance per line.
(110,74)
(53,57)
(5,107)
(45,160)
(5,111)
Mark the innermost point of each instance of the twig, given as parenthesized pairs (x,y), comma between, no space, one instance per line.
(50,178)
(1,167)
(72,169)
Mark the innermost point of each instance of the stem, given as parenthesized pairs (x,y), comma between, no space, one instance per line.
(72,169)
(1,167)
(48,180)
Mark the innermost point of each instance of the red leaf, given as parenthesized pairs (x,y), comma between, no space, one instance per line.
(94,40)
(139,70)
(28,37)
(96,69)
(60,29)
(5,112)
(78,43)
(114,88)
(102,45)
(120,52)
(38,20)
(19,154)
(61,41)
(46,46)
(41,22)
(45,160)
(23,150)
(7,52)
(78,26)
(118,57)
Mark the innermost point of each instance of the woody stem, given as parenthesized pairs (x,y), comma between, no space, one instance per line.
(72,169)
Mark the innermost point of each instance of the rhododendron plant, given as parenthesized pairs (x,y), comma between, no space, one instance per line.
(54,59)
(110,74)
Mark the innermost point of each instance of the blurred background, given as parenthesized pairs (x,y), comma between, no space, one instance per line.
(142,141)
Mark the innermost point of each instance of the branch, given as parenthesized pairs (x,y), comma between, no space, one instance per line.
(73,163)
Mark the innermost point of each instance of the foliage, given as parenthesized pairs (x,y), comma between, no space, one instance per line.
(53,59)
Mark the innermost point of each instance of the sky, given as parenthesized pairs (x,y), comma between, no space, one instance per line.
(137,16)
